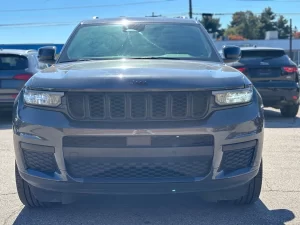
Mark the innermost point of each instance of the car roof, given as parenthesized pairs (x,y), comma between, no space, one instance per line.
(18,51)
(259,48)
(140,19)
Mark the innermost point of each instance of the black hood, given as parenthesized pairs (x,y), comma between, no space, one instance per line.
(136,74)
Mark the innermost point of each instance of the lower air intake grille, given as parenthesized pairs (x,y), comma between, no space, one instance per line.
(138,169)
(41,161)
(237,159)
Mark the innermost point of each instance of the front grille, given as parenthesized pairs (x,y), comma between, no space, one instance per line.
(41,161)
(137,168)
(121,141)
(237,159)
(138,106)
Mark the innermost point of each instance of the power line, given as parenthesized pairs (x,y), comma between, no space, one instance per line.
(71,23)
(38,24)
(229,14)
(268,0)
(86,6)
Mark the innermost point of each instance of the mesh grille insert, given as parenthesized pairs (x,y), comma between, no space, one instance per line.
(96,106)
(139,169)
(138,106)
(159,106)
(179,105)
(117,106)
(237,159)
(76,105)
(41,161)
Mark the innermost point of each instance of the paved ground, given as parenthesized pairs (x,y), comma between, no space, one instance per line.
(280,199)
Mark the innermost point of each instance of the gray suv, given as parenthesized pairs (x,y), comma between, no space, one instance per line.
(138,106)
(16,67)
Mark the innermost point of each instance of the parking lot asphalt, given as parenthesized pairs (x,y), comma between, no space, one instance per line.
(279,203)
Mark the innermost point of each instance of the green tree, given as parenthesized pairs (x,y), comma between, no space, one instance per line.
(212,25)
(231,31)
(244,24)
(267,22)
(283,27)
(295,30)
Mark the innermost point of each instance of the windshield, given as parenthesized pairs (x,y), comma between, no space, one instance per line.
(13,62)
(172,41)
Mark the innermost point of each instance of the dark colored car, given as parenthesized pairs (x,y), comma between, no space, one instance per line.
(16,67)
(138,106)
(274,75)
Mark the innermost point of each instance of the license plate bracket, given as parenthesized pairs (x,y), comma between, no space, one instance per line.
(139,141)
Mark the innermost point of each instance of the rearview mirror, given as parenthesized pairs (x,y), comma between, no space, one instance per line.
(231,53)
(47,54)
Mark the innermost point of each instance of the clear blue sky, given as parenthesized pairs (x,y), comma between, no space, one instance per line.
(11,13)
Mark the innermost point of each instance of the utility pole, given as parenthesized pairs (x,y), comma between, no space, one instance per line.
(190,9)
(291,40)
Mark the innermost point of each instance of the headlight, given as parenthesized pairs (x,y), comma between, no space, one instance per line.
(231,97)
(43,98)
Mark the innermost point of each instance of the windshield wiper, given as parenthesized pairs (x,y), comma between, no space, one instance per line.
(85,59)
(76,60)
(94,59)
(155,57)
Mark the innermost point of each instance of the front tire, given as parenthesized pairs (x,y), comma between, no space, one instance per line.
(253,190)
(289,110)
(25,194)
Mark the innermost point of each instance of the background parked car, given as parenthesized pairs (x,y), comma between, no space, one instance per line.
(16,67)
(274,75)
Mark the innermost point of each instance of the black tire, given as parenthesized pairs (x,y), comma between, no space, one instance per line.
(289,110)
(25,194)
(253,191)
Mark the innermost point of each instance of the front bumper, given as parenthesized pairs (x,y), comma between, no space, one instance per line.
(232,129)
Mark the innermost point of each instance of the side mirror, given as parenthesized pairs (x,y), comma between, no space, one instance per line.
(47,54)
(231,54)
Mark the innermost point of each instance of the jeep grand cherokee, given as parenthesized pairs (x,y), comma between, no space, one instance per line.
(138,106)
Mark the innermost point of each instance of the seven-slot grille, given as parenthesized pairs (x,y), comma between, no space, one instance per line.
(138,106)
